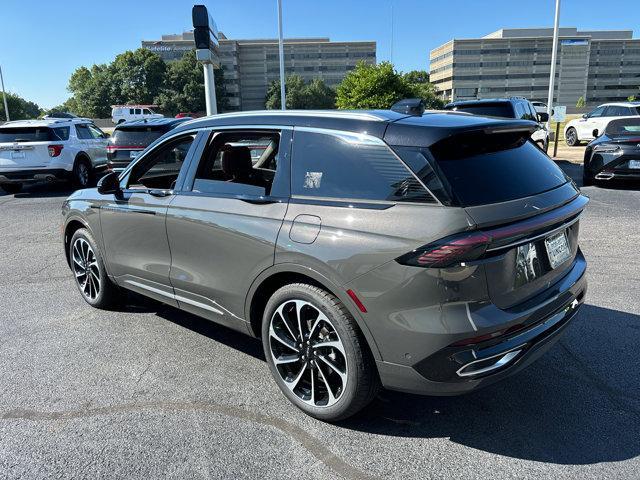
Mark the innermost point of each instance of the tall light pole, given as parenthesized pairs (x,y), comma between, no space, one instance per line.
(391,33)
(554,55)
(4,97)
(283,99)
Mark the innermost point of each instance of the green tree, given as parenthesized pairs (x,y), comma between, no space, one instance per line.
(183,87)
(137,76)
(416,76)
(19,108)
(421,87)
(372,86)
(581,103)
(301,95)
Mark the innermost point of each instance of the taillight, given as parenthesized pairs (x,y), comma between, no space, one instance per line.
(448,252)
(54,150)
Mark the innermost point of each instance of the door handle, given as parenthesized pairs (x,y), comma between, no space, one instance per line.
(158,192)
(257,200)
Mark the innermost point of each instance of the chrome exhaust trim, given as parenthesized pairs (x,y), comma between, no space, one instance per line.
(604,176)
(501,360)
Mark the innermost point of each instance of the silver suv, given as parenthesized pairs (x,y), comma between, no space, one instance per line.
(433,254)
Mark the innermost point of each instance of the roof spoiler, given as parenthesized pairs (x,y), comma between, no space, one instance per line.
(409,106)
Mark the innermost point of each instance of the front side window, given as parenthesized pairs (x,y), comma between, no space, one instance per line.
(239,163)
(597,112)
(161,166)
(83,131)
(138,111)
(349,166)
(95,132)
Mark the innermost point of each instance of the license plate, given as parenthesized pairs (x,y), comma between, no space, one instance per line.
(133,155)
(17,155)
(557,248)
(634,163)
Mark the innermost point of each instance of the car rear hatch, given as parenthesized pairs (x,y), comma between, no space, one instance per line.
(27,147)
(621,153)
(523,208)
(128,141)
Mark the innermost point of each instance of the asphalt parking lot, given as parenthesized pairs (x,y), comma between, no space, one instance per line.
(150,391)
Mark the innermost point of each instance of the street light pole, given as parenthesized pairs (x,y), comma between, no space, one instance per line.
(4,97)
(552,74)
(283,99)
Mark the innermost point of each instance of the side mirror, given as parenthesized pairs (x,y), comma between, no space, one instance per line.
(105,135)
(595,133)
(584,115)
(109,184)
(543,117)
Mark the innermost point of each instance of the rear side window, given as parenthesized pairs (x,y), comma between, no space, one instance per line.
(498,109)
(349,166)
(28,134)
(61,133)
(138,136)
(497,169)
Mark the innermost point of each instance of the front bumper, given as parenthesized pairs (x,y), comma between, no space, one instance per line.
(37,175)
(459,369)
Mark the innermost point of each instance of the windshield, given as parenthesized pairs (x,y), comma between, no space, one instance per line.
(623,126)
(499,109)
(136,136)
(29,134)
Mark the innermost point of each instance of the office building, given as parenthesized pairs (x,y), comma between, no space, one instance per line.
(251,65)
(600,66)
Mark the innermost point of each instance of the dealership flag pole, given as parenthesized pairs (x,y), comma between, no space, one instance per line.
(283,99)
(4,97)
(552,74)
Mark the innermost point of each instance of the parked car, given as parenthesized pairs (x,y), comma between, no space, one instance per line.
(514,107)
(125,113)
(433,254)
(188,114)
(581,129)
(539,106)
(50,149)
(131,138)
(615,154)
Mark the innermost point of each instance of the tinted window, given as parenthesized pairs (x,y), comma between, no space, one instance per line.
(496,176)
(96,132)
(138,111)
(136,136)
(28,134)
(597,112)
(617,111)
(239,163)
(61,133)
(348,166)
(501,109)
(83,132)
(160,167)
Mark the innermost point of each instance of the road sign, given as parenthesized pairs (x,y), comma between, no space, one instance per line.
(559,113)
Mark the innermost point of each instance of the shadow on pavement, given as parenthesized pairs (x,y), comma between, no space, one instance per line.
(562,409)
(42,190)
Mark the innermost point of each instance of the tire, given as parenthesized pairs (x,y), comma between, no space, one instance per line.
(11,187)
(587,181)
(94,285)
(82,173)
(571,137)
(339,391)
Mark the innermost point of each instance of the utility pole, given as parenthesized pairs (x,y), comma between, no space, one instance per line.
(554,55)
(4,97)
(283,99)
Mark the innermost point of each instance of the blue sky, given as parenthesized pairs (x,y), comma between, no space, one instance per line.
(50,39)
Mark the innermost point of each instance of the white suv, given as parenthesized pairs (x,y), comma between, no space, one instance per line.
(50,149)
(581,129)
(124,113)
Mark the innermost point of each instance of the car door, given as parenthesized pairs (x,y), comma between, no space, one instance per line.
(223,227)
(133,222)
(99,145)
(586,126)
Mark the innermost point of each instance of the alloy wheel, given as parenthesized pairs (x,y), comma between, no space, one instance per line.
(308,353)
(85,267)
(83,174)
(571,137)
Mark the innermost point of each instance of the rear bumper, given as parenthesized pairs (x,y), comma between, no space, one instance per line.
(455,370)
(37,175)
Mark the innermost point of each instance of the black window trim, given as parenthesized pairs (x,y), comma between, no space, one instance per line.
(284,149)
(377,141)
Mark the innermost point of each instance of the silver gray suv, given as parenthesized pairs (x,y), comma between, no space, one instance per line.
(431,254)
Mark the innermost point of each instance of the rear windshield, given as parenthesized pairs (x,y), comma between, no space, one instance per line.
(33,134)
(468,178)
(501,109)
(624,126)
(136,136)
